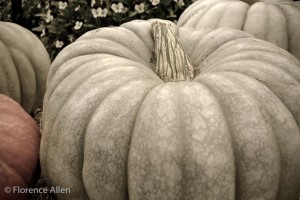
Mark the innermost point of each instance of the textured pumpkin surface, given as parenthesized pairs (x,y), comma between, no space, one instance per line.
(19,149)
(24,64)
(276,21)
(113,130)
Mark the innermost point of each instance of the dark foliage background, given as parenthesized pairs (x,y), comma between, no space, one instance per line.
(58,23)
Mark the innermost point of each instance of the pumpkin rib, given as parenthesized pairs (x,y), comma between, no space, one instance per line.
(244,51)
(83,64)
(76,86)
(245,44)
(80,66)
(205,13)
(18,76)
(114,89)
(51,89)
(182,165)
(279,82)
(60,106)
(20,81)
(67,68)
(31,66)
(256,43)
(59,116)
(49,155)
(8,75)
(271,36)
(125,32)
(227,124)
(156,140)
(288,22)
(247,53)
(276,22)
(214,41)
(189,10)
(293,29)
(229,50)
(85,48)
(149,48)
(235,14)
(266,59)
(63,58)
(52,178)
(28,85)
(118,37)
(132,189)
(250,63)
(190,46)
(207,24)
(36,66)
(192,12)
(213,18)
(50,93)
(131,141)
(74,64)
(222,110)
(189,13)
(112,153)
(14,28)
(247,185)
(265,20)
(289,180)
(133,26)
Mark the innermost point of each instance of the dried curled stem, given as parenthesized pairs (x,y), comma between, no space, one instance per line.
(172,62)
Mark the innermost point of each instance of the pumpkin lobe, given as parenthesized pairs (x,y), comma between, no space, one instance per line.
(172,62)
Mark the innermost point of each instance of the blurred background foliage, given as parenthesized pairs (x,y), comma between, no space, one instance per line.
(59,23)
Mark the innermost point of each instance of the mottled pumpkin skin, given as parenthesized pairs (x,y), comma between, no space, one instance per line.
(276,21)
(113,130)
(24,64)
(19,149)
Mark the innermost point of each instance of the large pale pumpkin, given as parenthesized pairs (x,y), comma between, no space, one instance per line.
(227,128)
(276,21)
(24,64)
(19,150)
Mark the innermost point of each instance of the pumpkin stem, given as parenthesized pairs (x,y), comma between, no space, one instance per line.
(172,62)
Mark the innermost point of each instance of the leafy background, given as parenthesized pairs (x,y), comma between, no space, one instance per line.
(59,23)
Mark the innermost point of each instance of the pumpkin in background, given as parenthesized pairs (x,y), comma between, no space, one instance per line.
(136,112)
(24,64)
(276,21)
(19,150)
